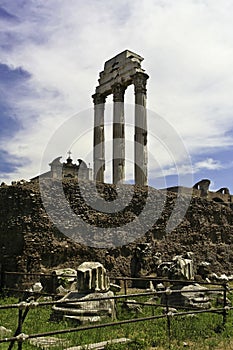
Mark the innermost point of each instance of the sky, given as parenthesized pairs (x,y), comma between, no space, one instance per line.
(51,53)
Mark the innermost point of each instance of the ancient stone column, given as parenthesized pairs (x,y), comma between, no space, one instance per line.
(140,137)
(118,91)
(99,149)
(92,276)
(119,72)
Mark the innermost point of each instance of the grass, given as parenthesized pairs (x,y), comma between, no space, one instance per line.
(202,332)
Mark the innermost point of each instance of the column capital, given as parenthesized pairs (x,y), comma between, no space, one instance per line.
(118,91)
(98,98)
(139,81)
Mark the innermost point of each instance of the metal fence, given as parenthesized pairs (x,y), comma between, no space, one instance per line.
(157,305)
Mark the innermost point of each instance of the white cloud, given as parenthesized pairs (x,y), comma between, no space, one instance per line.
(186,169)
(209,163)
(188,52)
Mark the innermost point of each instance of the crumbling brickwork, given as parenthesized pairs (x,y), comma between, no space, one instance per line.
(30,242)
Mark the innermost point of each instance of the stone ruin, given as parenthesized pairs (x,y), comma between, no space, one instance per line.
(144,260)
(91,276)
(141,263)
(193,295)
(201,189)
(120,72)
(92,283)
(206,230)
(181,267)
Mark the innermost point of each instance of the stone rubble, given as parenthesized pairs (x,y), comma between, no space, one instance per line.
(101,345)
(45,343)
(5,332)
(193,295)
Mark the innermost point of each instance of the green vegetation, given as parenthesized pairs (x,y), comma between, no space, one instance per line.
(203,331)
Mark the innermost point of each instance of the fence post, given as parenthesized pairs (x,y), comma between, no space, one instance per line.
(125,286)
(2,278)
(54,283)
(167,293)
(20,324)
(21,318)
(224,314)
(18,330)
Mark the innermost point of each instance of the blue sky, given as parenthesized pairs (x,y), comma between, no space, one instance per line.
(51,53)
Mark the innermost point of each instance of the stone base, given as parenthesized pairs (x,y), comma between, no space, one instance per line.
(102,345)
(84,311)
(45,343)
(82,319)
(193,296)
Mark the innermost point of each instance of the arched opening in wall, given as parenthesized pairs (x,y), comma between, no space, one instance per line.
(223,190)
(218,200)
(69,175)
(196,186)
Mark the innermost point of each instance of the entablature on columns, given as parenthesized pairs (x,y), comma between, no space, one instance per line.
(119,70)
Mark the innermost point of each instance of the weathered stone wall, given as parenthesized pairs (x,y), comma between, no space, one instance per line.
(30,242)
(221,196)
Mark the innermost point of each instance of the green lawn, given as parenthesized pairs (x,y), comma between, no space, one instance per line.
(200,332)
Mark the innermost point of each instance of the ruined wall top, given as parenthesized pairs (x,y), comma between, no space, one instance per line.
(119,69)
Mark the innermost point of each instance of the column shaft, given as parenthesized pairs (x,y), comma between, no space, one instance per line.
(140,137)
(118,134)
(99,148)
